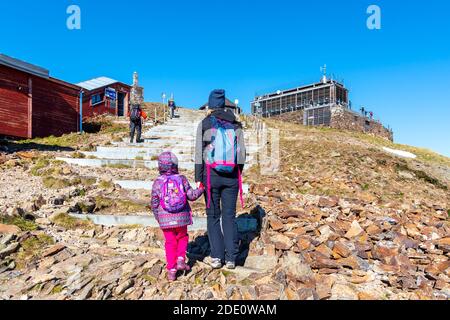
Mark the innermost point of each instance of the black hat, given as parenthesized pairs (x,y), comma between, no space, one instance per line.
(217,99)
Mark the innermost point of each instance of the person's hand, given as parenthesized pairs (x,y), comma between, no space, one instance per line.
(200,185)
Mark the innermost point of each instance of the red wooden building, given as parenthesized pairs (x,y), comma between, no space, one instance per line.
(33,104)
(96,100)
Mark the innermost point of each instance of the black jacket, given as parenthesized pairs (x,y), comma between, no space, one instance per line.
(203,140)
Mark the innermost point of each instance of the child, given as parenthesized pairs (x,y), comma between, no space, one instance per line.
(170,206)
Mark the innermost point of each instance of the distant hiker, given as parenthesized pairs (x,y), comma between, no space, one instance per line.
(219,161)
(172,108)
(136,115)
(171,208)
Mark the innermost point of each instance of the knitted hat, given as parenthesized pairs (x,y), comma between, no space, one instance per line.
(168,163)
(217,99)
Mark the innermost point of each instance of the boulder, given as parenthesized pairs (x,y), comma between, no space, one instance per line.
(263,262)
(276,224)
(10,249)
(281,241)
(9,229)
(53,250)
(295,267)
(328,202)
(87,206)
(14,212)
(43,221)
(58,201)
(341,250)
(5,240)
(354,231)
(291,213)
(124,286)
(343,292)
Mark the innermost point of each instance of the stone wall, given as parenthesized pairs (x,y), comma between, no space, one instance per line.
(344,119)
(295,117)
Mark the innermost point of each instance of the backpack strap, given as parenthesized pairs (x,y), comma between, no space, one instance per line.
(208,185)
(241,191)
(163,191)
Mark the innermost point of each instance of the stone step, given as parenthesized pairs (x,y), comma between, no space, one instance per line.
(152,148)
(144,220)
(183,155)
(124,162)
(170,134)
(147,185)
(155,144)
(176,126)
(160,146)
(138,150)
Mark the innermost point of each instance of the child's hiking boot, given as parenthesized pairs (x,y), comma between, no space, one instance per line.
(230,265)
(172,275)
(182,266)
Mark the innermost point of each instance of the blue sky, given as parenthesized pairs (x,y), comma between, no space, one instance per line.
(401,72)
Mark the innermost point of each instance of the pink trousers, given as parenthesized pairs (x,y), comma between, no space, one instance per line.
(176,245)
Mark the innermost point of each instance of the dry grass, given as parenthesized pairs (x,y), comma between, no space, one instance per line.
(70,223)
(32,248)
(324,161)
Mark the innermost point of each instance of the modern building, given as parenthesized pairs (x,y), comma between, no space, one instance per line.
(324,103)
(317,98)
(33,104)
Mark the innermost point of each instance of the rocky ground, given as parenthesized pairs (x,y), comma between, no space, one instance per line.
(341,219)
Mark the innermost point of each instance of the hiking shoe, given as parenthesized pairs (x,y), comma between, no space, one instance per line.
(230,265)
(182,266)
(216,263)
(172,275)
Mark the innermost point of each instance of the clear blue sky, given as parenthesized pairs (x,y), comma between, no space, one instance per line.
(401,72)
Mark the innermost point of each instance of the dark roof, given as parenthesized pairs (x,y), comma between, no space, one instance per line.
(228,104)
(23,66)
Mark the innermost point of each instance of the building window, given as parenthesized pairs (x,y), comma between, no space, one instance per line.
(96,99)
(319,117)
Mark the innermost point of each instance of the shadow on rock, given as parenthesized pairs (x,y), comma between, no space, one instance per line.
(11,147)
(249,228)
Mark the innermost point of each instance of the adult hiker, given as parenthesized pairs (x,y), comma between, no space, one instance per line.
(172,107)
(219,161)
(136,115)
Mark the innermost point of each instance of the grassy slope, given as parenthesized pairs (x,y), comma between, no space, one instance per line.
(324,161)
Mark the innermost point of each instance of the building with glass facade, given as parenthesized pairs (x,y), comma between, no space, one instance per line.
(315,99)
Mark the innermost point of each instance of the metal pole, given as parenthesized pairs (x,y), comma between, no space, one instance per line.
(164,104)
(81,111)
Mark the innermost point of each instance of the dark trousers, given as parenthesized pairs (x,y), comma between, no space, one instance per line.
(223,238)
(135,127)
(172,113)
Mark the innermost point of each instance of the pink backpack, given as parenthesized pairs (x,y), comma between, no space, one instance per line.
(173,196)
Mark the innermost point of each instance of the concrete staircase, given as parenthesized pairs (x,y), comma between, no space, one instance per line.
(176,135)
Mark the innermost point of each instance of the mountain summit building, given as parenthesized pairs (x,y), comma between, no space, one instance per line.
(325,103)
(317,97)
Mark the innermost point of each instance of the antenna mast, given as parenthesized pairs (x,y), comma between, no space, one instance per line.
(324,71)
